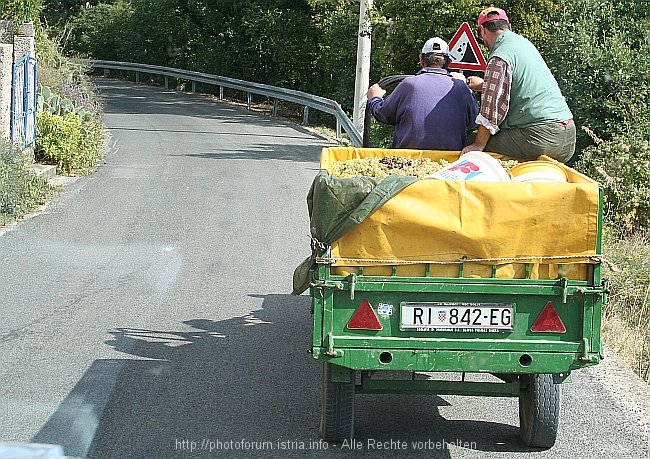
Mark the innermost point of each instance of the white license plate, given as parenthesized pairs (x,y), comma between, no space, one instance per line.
(465,317)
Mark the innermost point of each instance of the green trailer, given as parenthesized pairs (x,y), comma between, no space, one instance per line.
(397,285)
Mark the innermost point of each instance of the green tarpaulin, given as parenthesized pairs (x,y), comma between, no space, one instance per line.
(336,205)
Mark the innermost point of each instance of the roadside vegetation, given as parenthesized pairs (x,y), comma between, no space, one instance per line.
(69,122)
(20,191)
(627,316)
(69,125)
(599,51)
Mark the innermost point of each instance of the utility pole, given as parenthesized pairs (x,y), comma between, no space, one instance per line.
(362,77)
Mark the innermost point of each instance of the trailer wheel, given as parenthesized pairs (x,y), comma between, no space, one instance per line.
(539,410)
(337,407)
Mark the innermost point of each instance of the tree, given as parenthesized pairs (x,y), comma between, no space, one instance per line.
(20,11)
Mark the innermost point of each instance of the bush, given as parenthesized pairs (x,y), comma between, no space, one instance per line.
(598,51)
(64,77)
(622,165)
(20,191)
(20,10)
(74,145)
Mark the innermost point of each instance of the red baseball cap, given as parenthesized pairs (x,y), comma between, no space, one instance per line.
(492,14)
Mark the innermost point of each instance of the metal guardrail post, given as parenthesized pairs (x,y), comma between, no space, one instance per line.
(249,100)
(193,86)
(137,77)
(275,107)
(305,116)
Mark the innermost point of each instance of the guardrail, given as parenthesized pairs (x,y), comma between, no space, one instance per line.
(298,97)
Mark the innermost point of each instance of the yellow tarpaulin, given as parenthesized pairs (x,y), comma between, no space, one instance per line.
(554,226)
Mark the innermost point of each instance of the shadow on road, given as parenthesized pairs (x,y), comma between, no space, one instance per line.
(244,379)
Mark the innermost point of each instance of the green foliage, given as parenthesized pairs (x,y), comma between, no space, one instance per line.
(599,51)
(58,105)
(68,141)
(20,11)
(20,191)
(402,26)
(622,165)
(59,11)
(105,31)
(58,75)
(334,61)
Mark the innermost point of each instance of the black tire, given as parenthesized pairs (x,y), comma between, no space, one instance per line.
(539,410)
(337,407)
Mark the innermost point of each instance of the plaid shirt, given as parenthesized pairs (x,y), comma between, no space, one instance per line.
(495,98)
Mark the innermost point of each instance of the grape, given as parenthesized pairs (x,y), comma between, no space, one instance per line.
(507,165)
(382,167)
(400,165)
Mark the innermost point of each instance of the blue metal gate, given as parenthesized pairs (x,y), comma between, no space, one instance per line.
(23,101)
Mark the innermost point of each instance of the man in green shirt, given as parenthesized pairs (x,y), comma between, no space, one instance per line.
(523,113)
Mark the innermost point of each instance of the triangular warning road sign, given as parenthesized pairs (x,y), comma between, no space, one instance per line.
(464,50)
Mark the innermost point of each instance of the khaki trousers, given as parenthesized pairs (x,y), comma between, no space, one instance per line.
(557,140)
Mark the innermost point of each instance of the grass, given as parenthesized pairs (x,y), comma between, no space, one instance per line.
(20,191)
(626,317)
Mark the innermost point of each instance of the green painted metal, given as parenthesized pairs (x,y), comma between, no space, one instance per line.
(516,351)
(426,360)
(511,352)
(437,387)
(340,374)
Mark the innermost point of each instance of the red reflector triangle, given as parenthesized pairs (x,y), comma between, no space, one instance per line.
(365,318)
(548,321)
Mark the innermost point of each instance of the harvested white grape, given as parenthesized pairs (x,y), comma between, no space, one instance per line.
(400,165)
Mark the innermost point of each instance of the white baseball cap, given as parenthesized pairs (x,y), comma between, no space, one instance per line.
(435,45)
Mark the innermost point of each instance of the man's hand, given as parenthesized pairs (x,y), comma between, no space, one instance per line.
(472,147)
(375,91)
(480,141)
(475,83)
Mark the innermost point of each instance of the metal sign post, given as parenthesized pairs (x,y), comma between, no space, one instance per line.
(362,77)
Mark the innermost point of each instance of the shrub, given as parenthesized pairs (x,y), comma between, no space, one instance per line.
(64,77)
(74,145)
(622,165)
(20,191)
(598,51)
(20,10)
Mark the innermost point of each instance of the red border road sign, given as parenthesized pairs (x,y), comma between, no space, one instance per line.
(464,50)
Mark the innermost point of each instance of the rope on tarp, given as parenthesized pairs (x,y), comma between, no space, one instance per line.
(593,259)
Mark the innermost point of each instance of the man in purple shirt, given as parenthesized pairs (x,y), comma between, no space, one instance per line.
(431,110)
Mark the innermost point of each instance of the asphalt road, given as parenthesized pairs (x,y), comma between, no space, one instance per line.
(145,312)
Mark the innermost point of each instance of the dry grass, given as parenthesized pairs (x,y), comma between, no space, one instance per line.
(626,322)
